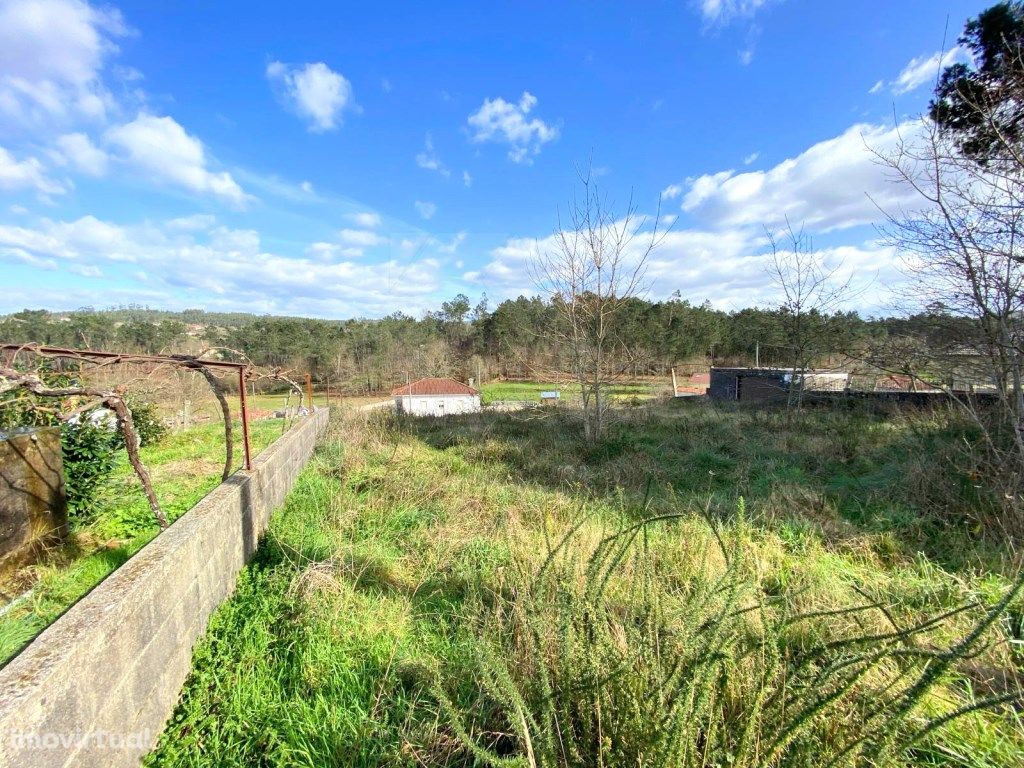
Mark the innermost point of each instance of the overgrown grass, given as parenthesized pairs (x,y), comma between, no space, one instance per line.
(477,590)
(185,466)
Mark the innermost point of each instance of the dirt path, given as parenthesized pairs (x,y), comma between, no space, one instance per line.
(375,406)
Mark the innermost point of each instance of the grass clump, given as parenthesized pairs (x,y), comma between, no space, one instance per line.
(591,663)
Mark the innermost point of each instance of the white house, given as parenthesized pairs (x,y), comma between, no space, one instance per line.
(436,397)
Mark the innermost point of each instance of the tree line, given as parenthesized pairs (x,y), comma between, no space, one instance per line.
(464,340)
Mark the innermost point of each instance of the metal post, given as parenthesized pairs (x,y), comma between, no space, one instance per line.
(309,392)
(245,419)
(757,354)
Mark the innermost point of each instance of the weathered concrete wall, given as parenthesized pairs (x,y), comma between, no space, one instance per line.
(33,508)
(96,687)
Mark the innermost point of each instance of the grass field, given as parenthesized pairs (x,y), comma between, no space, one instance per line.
(185,466)
(530,391)
(483,590)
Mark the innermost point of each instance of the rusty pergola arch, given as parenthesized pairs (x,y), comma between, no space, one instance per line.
(114,400)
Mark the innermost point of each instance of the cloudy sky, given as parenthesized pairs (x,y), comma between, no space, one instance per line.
(342,159)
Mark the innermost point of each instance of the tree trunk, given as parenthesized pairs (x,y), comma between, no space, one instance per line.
(131,443)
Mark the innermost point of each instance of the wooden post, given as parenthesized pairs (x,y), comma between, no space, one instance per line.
(245,419)
(675,387)
(309,392)
(328,392)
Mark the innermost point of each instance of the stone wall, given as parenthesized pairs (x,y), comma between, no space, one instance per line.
(97,686)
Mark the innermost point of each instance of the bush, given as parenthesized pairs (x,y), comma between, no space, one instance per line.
(150,428)
(89,453)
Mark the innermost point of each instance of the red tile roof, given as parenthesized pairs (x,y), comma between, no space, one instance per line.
(435,387)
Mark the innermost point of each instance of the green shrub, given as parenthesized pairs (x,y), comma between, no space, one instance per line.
(150,428)
(89,453)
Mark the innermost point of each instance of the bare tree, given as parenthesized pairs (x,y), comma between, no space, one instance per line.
(597,263)
(810,290)
(962,251)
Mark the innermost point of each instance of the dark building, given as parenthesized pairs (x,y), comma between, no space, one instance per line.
(766,384)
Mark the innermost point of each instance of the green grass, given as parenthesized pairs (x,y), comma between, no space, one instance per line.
(459,592)
(276,402)
(185,466)
(530,391)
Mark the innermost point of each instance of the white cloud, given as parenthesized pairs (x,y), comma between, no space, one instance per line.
(314,91)
(24,257)
(333,252)
(672,191)
(924,69)
(467,179)
(879,85)
(78,150)
(385,85)
(507,272)
(162,148)
(242,242)
(429,159)
(721,11)
(453,245)
(323,251)
(222,268)
(26,174)
(729,268)
(307,187)
(426,210)
(825,187)
(195,222)
(360,238)
(69,240)
(51,56)
(501,121)
(365,219)
(751,158)
(86,270)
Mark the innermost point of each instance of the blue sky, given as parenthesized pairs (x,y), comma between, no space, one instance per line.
(339,160)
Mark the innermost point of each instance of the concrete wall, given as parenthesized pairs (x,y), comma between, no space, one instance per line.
(33,507)
(97,686)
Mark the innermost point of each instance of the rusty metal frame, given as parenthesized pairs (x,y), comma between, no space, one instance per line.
(121,357)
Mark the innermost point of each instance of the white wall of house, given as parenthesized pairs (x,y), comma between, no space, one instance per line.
(437,405)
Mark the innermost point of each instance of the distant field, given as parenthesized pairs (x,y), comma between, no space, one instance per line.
(530,390)
(278,401)
(185,466)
